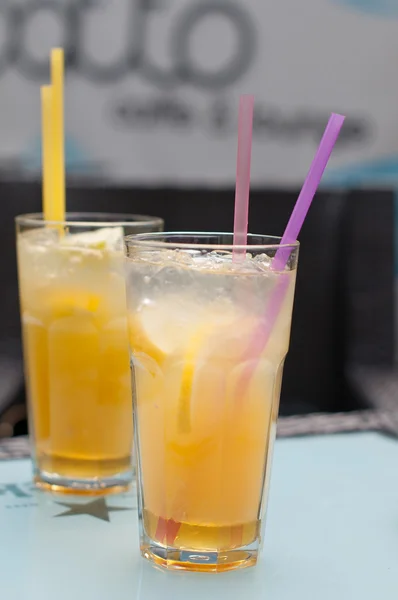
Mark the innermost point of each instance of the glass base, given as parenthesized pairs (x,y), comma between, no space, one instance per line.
(174,559)
(95,486)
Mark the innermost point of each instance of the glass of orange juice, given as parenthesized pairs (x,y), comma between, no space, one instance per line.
(206,387)
(77,369)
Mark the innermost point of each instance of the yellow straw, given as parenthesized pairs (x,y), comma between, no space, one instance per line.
(58,149)
(47,154)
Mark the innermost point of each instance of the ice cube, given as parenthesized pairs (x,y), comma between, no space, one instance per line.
(40,238)
(262,262)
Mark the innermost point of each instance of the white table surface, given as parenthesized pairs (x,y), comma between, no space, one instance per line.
(332,534)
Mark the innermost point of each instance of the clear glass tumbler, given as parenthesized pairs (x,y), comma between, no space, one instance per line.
(73,312)
(209,331)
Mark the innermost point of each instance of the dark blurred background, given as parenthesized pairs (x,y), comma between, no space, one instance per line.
(151,105)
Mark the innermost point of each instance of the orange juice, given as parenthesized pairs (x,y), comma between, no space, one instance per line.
(205,406)
(77,364)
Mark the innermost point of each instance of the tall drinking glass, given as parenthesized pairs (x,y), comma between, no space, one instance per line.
(73,312)
(206,384)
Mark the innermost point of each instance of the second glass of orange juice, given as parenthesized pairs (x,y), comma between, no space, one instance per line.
(77,368)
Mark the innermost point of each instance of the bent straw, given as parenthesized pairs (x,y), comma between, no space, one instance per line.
(58,163)
(290,235)
(243,162)
(46,114)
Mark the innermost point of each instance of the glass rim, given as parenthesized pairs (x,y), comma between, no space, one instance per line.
(149,240)
(88,219)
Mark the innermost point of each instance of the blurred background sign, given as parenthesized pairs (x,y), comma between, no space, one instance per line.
(153,85)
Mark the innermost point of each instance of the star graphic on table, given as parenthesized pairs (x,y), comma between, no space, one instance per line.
(97,508)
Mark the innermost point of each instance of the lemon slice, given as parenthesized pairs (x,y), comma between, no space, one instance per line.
(140,343)
(168,328)
(106,238)
(225,336)
(64,303)
(173,327)
(160,329)
(148,377)
(150,334)
(188,374)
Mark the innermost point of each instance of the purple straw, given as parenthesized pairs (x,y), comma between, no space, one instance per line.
(308,190)
(290,236)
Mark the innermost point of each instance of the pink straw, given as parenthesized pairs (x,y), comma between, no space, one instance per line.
(292,231)
(245,135)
